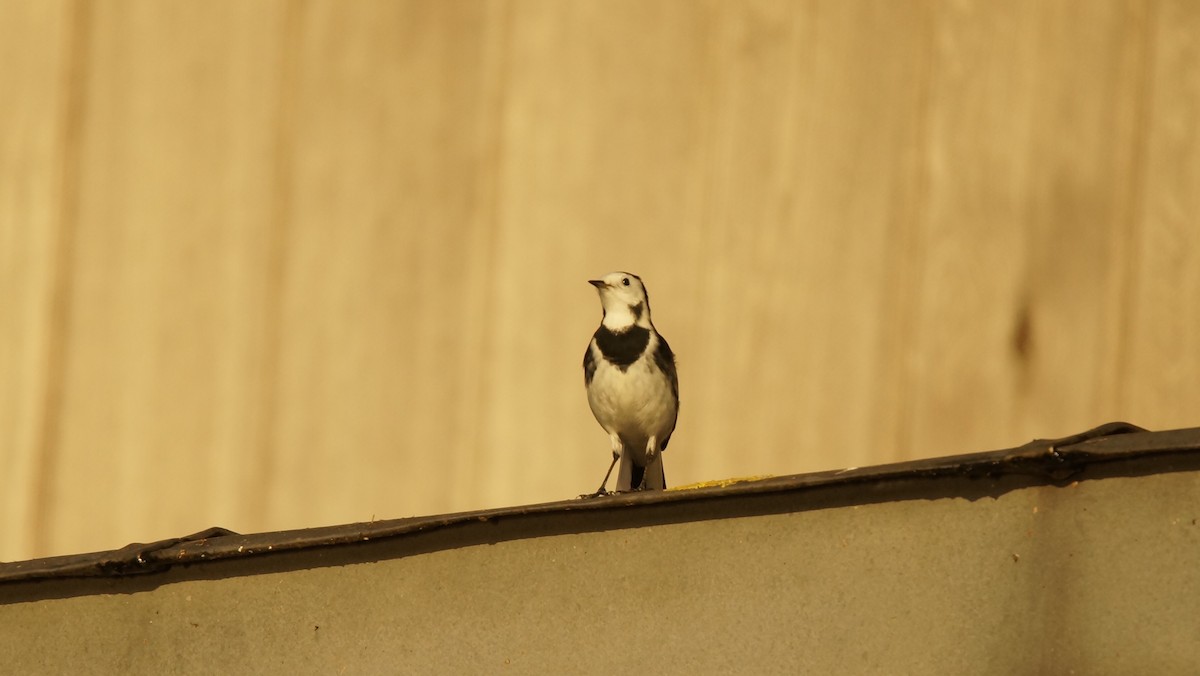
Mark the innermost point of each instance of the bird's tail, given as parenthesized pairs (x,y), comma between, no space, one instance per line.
(653,473)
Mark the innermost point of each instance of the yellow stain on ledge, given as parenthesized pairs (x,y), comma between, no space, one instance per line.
(720,483)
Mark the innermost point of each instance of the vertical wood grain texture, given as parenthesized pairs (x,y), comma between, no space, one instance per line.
(163,340)
(1029,189)
(386,282)
(1161,379)
(282,264)
(34,50)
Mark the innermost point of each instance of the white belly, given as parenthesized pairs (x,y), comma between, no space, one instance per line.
(634,404)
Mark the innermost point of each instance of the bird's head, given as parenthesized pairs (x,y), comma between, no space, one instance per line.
(624,299)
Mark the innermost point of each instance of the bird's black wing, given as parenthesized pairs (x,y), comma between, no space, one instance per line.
(589,366)
(665,359)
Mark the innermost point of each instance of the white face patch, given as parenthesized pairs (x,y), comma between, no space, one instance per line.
(624,299)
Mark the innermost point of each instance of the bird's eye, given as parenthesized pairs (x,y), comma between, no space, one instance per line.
(625,281)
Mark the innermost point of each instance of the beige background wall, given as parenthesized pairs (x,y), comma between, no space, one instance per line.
(281,264)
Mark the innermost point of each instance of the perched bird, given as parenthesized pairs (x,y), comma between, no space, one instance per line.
(632,387)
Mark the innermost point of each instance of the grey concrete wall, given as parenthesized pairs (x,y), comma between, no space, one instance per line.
(1095,577)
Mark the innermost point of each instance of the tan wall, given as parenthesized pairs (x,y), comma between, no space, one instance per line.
(281,264)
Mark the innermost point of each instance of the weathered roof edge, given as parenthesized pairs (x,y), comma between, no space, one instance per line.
(1121,446)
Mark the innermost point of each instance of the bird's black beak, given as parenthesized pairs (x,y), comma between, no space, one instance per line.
(598,283)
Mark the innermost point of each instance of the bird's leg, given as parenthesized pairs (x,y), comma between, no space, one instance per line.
(651,451)
(604,484)
(617,449)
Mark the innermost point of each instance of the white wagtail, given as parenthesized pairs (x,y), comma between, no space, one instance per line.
(632,386)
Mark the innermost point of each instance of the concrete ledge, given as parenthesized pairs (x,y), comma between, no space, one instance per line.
(1074,554)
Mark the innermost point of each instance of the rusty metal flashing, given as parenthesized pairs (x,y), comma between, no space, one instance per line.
(1114,449)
